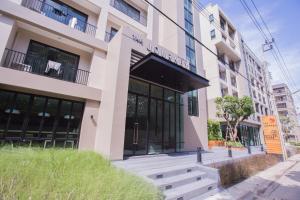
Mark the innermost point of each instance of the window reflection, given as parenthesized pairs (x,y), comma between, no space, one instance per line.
(36,116)
(25,117)
(17,115)
(6,98)
(50,114)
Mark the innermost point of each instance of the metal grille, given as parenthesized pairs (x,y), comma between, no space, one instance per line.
(135,57)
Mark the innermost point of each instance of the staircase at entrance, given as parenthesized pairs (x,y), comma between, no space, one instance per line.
(178,177)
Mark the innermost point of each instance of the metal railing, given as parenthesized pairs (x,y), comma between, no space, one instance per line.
(129,11)
(38,65)
(60,15)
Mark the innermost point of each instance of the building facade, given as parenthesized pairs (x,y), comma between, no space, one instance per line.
(287,111)
(112,76)
(235,71)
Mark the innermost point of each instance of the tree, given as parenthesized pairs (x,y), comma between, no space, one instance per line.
(287,125)
(234,110)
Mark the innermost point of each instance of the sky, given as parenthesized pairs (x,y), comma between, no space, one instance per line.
(281,16)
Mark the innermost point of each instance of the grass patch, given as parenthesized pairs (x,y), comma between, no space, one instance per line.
(27,173)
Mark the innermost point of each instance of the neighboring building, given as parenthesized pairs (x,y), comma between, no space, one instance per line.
(286,109)
(111,76)
(228,72)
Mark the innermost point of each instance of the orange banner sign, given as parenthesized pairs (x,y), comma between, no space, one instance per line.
(271,135)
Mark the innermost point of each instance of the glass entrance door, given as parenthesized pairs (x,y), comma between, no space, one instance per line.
(154,120)
(136,125)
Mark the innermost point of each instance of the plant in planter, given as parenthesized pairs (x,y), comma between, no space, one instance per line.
(214,134)
(234,144)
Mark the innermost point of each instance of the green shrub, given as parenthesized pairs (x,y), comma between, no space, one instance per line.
(234,144)
(295,144)
(214,130)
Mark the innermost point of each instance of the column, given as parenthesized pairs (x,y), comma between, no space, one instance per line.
(102,22)
(7,33)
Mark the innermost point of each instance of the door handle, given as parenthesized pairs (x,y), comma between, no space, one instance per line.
(133,139)
(135,133)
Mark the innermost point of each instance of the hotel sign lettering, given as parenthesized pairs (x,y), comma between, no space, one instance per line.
(271,135)
(152,48)
(167,55)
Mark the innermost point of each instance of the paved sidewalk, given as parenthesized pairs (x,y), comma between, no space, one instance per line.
(280,182)
(214,155)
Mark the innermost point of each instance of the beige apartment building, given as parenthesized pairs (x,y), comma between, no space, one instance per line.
(235,71)
(113,76)
(286,109)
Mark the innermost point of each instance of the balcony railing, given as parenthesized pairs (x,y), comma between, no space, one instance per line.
(60,15)
(128,10)
(29,63)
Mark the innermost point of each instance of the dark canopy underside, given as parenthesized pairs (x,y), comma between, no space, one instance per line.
(166,73)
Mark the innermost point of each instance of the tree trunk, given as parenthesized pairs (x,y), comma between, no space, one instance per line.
(235,133)
(230,131)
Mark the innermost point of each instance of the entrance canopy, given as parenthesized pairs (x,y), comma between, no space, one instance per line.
(166,73)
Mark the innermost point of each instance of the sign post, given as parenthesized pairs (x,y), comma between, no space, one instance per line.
(273,139)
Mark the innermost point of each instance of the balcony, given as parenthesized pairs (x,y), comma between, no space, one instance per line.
(129,10)
(42,65)
(62,13)
(226,45)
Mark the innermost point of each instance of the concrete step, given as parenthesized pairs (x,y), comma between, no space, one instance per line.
(207,195)
(191,190)
(165,172)
(168,162)
(179,180)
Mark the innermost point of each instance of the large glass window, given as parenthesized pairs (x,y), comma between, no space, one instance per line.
(248,135)
(6,101)
(190,55)
(64,118)
(53,62)
(65,14)
(25,117)
(50,114)
(126,8)
(164,119)
(74,127)
(139,87)
(17,115)
(36,116)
